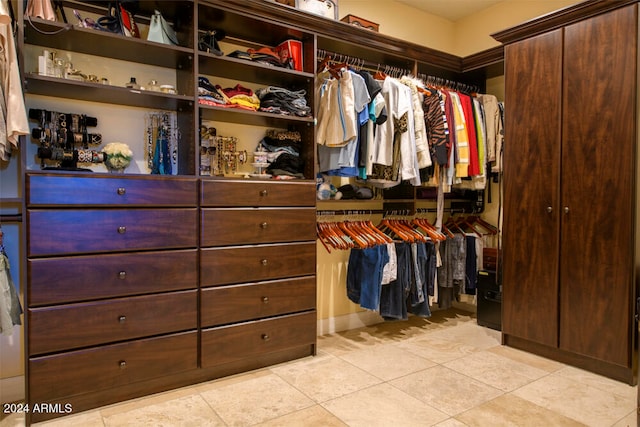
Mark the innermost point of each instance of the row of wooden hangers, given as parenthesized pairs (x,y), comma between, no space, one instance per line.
(350,233)
(335,65)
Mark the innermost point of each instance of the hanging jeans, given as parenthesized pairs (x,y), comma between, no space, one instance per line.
(393,299)
(364,275)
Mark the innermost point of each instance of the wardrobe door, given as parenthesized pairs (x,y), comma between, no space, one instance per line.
(598,186)
(533,72)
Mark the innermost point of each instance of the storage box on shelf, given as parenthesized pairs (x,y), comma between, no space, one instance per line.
(96,322)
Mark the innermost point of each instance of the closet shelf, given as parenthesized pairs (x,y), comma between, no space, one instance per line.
(95,92)
(92,42)
(255,118)
(243,70)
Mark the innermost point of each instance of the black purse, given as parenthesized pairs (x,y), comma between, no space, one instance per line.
(208,42)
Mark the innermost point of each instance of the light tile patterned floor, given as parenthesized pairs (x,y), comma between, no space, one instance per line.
(445,371)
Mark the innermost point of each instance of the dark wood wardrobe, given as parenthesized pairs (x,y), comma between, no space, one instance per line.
(570,173)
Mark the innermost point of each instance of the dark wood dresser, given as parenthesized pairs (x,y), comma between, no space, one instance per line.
(257,270)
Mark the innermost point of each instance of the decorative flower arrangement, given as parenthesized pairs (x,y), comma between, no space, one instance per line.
(119,156)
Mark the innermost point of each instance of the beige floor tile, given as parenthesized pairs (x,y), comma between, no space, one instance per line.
(326,377)
(576,400)
(387,361)
(143,402)
(500,372)
(253,399)
(512,411)
(471,334)
(451,422)
(446,390)
(631,420)
(315,416)
(181,412)
(437,349)
(12,420)
(530,359)
(383,405)
(83,419)
(598,381)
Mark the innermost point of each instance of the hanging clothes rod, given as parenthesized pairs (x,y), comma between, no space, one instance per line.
(323,212)
(362,64)
(11,218)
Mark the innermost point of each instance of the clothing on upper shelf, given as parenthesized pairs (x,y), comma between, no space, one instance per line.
(405,132)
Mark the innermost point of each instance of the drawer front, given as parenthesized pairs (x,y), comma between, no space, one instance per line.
(229,304)
(106,190)
(89,277)
(220,266)
(231,343)
(222,227)
(70,326)
(257,193)
(66,231)
(111,366)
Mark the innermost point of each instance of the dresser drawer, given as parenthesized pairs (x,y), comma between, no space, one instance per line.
(70,326)
(89,277)
(66,231)
(111,366)
(231,343)
(222,227)
(108,190)
(229,304)
(240,264)
(257,193)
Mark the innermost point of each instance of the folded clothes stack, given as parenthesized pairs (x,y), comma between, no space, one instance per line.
(264,55)
(233,97)
(283,153)
(278,100)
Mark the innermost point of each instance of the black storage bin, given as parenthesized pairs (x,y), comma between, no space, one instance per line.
(489,309)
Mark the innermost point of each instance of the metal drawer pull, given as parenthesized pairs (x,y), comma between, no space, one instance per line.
(123,364)
(122,275)
(264,225)
(265,337)
(264,193)
(265,299)
(264,262)
(549,209)
(122,229)
(566,209)
(122,319)
(122,191)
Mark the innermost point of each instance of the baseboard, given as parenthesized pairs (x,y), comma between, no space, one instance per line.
(348,321)
(12,389)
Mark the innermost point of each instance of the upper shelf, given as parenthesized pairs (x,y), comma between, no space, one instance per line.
(68,37)
(62,88)
(243,70)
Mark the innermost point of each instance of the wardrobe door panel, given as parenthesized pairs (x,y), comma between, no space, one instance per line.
(598,158)
(533,72)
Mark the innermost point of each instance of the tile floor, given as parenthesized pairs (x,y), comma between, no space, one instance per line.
(445,371)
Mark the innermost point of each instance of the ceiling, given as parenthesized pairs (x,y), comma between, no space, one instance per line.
(452,10)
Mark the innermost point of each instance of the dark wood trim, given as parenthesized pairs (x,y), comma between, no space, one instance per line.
(558,19)
(483,59)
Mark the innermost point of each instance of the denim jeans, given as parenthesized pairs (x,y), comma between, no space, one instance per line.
(393,299)
(364,275)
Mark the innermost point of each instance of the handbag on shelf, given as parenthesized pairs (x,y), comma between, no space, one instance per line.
(160,31)
(111,23)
